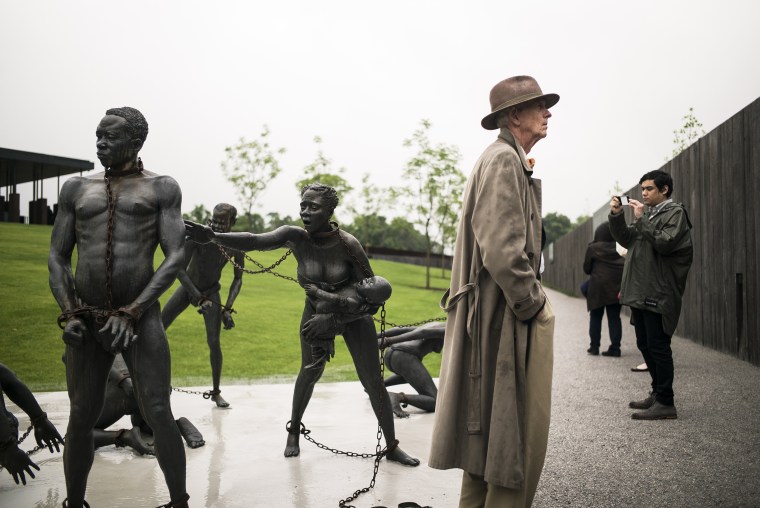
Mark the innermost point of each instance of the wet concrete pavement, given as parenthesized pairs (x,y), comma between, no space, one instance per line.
(597,455)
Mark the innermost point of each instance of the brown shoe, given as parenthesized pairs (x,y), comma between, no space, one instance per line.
(657,412)
(642,404)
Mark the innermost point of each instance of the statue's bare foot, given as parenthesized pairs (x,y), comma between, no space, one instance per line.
(396,405)
(400,456)
(291,446)
(220,402)
(190,433)
(134,440)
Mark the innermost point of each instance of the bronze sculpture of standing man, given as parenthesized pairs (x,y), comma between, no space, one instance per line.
(116,219)
(200,287)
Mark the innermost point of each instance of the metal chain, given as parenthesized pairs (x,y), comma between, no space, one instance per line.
(28,431)
(206,395)
(365,269)
(379,454)
(306,435)
(264,269)
(33,450)
(109,235)
(109,241)
(410,325)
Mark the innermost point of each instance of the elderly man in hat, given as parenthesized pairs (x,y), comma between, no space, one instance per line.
(492,417)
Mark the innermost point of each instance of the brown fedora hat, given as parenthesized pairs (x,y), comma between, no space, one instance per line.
(511,92)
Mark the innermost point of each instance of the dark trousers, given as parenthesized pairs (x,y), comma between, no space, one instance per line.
(613,325)
(654,345)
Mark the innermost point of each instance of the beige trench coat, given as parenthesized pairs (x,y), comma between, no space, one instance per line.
(479,425)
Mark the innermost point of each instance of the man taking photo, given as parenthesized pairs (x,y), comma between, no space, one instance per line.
(654,278)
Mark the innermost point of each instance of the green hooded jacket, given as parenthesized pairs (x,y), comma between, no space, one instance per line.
(659,256)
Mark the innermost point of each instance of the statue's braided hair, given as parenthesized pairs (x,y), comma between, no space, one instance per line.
(329,194)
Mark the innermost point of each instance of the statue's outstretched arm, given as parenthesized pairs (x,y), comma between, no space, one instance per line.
(284,236)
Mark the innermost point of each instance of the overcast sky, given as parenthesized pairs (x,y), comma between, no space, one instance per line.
(362,75)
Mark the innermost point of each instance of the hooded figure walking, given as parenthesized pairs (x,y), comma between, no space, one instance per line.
(605,267)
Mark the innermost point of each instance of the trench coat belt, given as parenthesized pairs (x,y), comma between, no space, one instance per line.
(474,407)
(461,293)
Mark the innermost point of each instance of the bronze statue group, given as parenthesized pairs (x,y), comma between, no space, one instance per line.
(116,354)
(492,414)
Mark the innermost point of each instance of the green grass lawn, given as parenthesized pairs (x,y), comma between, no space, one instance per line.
(263,346)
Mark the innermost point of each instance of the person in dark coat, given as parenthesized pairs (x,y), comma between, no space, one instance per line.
(605,266)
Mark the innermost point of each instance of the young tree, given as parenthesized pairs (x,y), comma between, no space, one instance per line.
(580,220)
(684,137)
(432,175)
(370,229)
(250,166)
(556,225)
(449,206)
(199,214)
(321,170)
(249,223)
(274,221)
(365,212)
(402,235)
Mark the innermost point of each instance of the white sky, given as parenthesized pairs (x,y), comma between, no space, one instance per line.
(362,75)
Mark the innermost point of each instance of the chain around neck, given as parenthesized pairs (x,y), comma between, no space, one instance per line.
(138,168)
(334,231)
(109,231)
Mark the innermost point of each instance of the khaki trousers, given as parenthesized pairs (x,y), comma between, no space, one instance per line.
(476,493)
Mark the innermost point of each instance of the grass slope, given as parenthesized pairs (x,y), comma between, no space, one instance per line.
(263,345)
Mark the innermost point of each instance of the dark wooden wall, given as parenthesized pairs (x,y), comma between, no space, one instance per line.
(718,180)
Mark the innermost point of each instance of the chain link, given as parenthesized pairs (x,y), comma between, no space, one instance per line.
(109,234)
(264,269)
(365,269)
(306,433)
(109,241)
(410,325)
(33,450)
(28,431)
(206,395)
(379,454)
